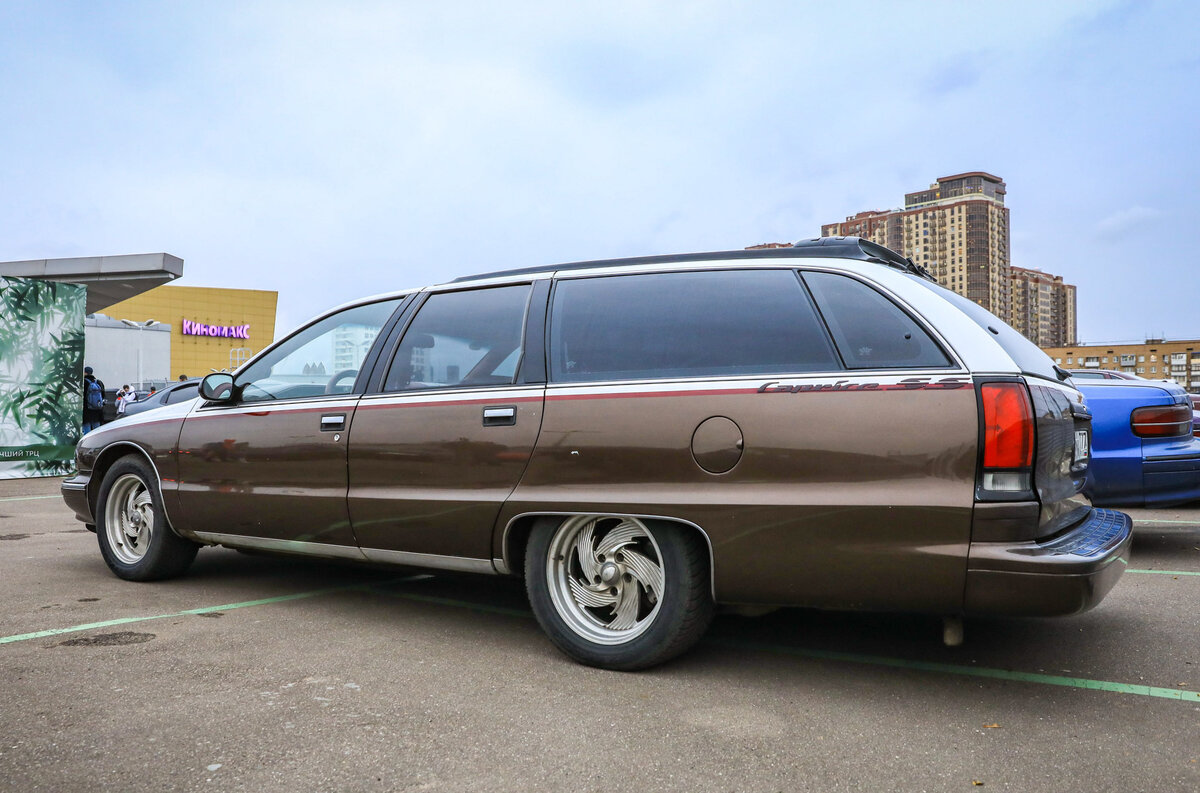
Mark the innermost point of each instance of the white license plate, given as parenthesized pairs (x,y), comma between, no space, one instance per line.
(1082,452)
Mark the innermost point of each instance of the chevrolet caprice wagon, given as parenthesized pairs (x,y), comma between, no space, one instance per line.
(641,440)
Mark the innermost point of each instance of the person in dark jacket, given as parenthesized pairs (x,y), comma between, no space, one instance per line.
(93,400)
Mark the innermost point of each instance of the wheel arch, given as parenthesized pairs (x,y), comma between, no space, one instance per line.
(516,538)
(106,459)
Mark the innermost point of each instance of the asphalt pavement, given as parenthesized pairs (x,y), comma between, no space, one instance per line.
(255,673)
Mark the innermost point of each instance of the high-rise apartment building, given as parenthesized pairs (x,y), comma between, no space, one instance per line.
(1042,307)
(958,229)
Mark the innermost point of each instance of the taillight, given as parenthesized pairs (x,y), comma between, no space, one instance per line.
(1161,421)
(1007,437)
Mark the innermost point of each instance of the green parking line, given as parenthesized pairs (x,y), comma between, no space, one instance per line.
(825,655)
(1166,572)
(20,637)
(26,498)
(877,660)
(971,671)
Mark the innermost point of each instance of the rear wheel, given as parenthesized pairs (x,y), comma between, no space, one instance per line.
(618,592)
(131,526)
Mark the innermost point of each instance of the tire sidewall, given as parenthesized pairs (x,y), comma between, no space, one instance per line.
(657,643)
(156,563)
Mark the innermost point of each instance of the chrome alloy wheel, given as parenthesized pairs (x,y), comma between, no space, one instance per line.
(605,577)
(129,518)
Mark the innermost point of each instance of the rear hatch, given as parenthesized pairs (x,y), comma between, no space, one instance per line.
(1063,428)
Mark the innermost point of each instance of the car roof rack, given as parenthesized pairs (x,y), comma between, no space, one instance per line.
(818,248)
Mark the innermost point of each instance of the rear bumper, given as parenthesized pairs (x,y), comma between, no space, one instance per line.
(1173,477)
(1068,574)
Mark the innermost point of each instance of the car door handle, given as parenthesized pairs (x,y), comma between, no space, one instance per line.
(499,416)
(333,422)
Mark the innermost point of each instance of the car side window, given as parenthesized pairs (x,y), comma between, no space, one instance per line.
(686,324)
(467,338)
(183,393)
(871,332)
(323,358)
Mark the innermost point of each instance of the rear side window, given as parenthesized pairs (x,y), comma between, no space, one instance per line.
(696,324)
(468,338)
(183,393)
(870,330)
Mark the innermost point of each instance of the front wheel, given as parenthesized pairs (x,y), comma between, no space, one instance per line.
(131,526)
(618,592)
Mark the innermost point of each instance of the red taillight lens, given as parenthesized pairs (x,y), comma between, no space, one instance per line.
(1007,425)
(1161,421)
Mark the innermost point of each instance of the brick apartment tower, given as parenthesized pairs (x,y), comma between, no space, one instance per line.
(959,230)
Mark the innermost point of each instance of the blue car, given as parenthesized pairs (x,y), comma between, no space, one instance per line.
(1143,450)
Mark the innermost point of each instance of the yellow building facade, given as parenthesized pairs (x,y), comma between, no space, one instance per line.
(211,329)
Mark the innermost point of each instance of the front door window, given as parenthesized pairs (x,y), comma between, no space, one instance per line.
(324,358)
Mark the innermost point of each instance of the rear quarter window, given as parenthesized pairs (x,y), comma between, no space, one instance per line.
(870,330)
(689,324)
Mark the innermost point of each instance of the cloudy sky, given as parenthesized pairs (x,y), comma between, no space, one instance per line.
(332,150)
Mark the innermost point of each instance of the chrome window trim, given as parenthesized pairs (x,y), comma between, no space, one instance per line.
(321,401)
(503,565)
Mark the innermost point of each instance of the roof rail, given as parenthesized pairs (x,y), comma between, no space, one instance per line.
(858,248)
(821,247)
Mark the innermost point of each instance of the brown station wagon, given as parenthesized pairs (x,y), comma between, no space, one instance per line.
(641,440)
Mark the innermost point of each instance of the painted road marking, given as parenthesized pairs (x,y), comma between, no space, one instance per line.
(877,660)
(825,655)
(20,637)
(1166,572)
(971,671)
(27,498)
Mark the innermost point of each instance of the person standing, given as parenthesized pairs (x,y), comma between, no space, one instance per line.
(93,401)
(123,396)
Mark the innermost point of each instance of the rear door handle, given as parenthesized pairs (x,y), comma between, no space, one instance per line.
(333,422)
(500,416)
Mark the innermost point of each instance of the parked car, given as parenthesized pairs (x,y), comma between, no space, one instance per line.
(179,391)
(641,439)
(1195,414)
(1144,452)
(1101,374)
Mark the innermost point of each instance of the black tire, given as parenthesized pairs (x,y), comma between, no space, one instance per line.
(593,632)
(136,540)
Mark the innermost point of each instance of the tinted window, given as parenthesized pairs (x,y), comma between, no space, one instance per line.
(870,330)
(685,325)
(182,393)
(323,358)
(469,338)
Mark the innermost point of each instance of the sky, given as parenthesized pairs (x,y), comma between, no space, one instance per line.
(334,150)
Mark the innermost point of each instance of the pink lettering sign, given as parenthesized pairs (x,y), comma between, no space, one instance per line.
(225,331)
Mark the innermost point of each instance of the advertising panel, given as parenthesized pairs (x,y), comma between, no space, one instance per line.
(41,371)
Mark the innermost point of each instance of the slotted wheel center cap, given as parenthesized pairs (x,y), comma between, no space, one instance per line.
(610,573)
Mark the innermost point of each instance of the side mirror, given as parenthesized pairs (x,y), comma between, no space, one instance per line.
(217,387)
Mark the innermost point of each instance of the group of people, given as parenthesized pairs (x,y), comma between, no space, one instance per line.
(94,399)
